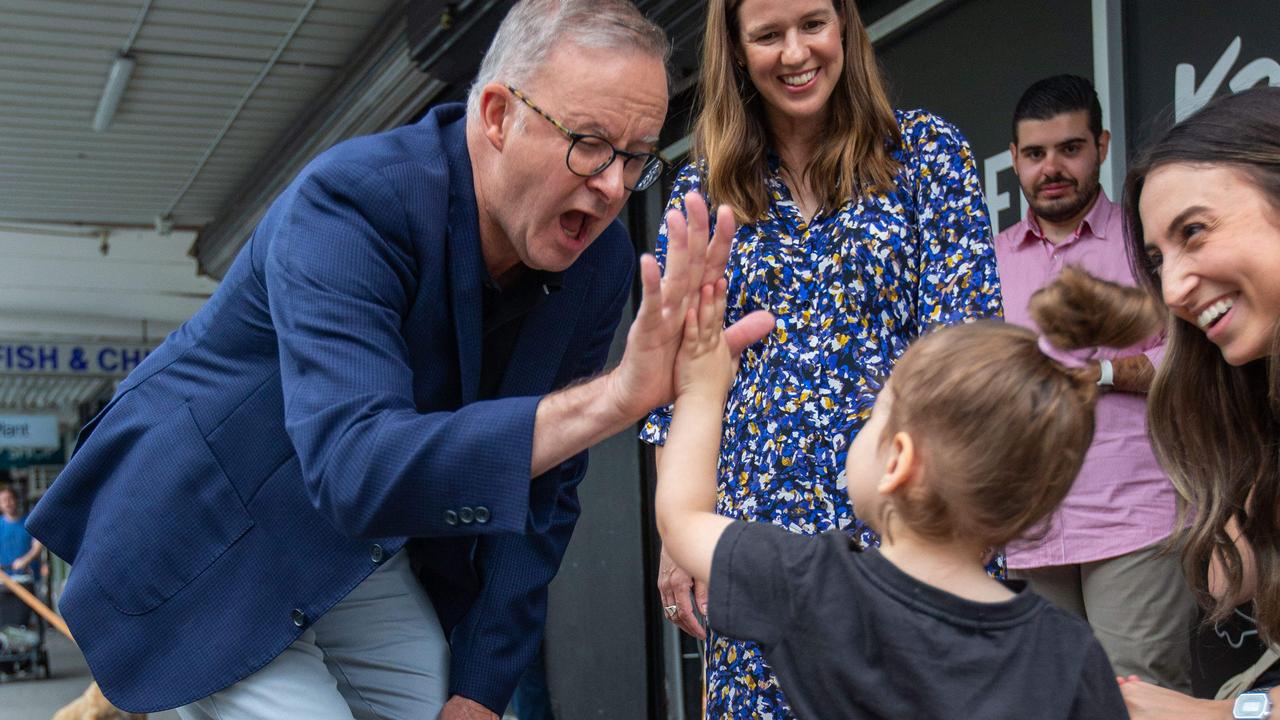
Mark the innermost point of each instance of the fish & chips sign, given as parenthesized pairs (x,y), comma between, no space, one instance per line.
(70,358)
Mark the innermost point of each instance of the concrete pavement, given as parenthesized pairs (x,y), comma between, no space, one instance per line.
(33,698)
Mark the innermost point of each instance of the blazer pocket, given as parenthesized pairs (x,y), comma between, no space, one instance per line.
(163,515)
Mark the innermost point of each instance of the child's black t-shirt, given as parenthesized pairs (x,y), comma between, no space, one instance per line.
(851,636)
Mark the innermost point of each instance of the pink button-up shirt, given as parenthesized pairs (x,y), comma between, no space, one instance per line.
(1121,501)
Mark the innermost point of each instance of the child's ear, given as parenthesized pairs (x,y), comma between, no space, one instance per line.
(901,466)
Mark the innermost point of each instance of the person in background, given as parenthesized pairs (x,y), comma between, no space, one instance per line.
(1104,556)
(916,628)
(19,556)
(860,228)
(1202,208)
(19,552)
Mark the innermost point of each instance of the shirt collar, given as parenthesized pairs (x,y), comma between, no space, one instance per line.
(552,282)
(547,281)
(1094,223)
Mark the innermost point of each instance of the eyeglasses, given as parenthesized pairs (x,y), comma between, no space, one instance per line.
(591,154)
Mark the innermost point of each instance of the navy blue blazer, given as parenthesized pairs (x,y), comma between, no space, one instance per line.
(316,413)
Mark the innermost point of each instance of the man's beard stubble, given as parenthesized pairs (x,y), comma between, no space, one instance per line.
(1059,213)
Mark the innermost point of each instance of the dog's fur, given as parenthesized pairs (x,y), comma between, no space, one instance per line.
(92,705)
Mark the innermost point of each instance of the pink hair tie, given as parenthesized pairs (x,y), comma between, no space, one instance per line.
(1071,358)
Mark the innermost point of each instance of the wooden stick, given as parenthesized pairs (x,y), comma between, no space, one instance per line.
(25,596)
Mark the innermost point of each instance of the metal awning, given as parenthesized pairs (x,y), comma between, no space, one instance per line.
(52,393)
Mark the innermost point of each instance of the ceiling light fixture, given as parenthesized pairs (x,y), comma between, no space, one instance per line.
(117,81)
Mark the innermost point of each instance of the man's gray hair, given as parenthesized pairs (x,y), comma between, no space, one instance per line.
(533,27)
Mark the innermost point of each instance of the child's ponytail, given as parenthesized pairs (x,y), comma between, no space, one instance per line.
(1078,310)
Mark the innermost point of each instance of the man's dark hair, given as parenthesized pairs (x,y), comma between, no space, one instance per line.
(1055,95)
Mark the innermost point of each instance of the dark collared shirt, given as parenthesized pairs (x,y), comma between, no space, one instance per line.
(503,317)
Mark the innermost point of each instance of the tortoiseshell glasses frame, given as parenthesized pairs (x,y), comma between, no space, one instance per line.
(591,154)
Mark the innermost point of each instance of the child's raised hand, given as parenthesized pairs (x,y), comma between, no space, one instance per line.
(704,365)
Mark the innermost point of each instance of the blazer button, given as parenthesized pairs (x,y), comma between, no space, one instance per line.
(466,515)
(482,515)
(376,554)
(299,617)
(450,517)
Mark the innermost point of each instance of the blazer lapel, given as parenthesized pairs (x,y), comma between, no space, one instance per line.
(466,279)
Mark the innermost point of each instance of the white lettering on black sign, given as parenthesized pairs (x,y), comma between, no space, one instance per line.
(1188,97)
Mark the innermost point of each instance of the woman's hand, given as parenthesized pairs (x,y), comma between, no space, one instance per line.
(674,588)
(1152,702)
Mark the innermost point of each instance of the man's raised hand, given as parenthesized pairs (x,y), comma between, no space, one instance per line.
(695,257)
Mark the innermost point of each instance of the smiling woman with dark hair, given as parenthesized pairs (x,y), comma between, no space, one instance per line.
(1203,213)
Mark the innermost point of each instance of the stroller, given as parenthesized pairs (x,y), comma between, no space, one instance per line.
(22,643)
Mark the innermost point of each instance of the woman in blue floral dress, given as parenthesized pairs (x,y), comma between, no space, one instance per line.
(860,229)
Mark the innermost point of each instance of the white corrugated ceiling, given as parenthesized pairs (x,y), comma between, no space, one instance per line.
(196,62)
(218,84)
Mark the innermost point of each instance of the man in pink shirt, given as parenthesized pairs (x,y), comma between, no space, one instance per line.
(1101,557)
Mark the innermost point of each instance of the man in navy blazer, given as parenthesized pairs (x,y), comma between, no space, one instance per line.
(381,363)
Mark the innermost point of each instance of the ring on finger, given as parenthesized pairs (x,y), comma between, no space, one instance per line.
(671,611)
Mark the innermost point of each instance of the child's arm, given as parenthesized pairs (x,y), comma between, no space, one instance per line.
(686,496)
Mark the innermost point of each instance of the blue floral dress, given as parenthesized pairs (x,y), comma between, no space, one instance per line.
(850,289)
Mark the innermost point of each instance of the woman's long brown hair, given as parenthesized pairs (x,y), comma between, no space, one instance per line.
(732,137)
(1216,427)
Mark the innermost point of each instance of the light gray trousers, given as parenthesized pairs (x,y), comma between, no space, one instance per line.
(1139,605)
(377,654)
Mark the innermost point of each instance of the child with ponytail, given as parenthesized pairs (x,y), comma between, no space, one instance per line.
(974,440)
